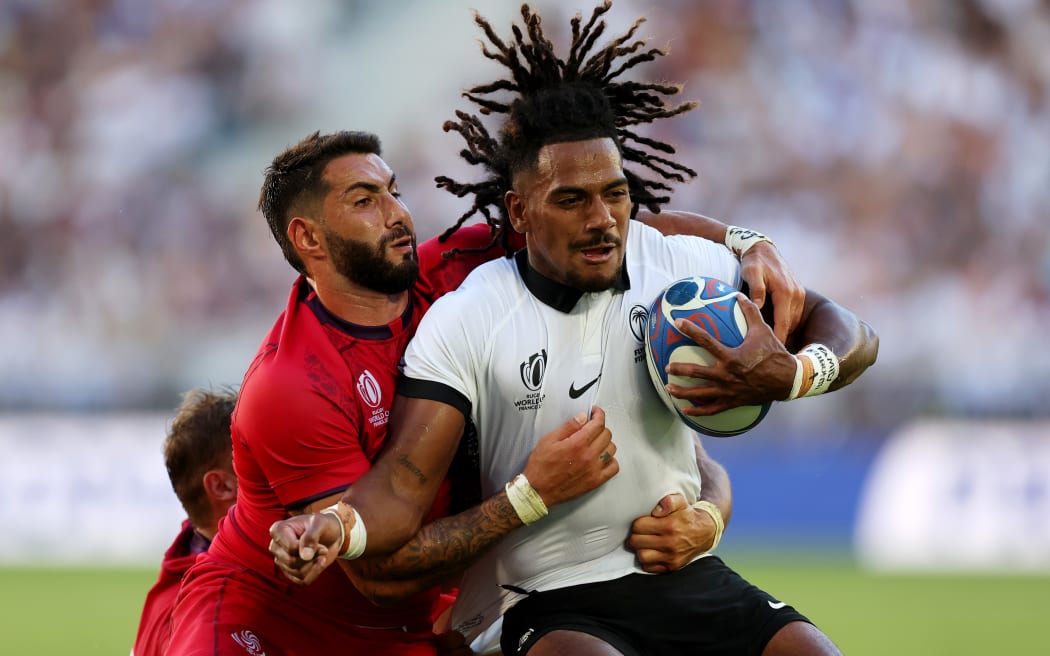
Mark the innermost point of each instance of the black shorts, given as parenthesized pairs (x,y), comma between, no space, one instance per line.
(704,608)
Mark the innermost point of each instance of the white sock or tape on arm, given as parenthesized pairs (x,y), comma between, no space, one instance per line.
(739,240)
(716,515)
(526,500)
(817,367)
(353,547)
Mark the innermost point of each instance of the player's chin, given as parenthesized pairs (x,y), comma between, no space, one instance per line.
(398,256)
(594,279)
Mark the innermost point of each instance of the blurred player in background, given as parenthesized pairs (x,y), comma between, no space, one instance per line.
(556,174)
(199,459)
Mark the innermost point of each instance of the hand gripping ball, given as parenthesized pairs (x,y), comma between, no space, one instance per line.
(712,304)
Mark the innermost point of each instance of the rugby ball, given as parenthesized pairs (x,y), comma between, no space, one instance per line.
(712,304)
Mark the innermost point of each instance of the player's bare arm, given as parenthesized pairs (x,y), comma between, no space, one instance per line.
(762,269)
(678,531)
(440,551)
(571,460)
(762,369)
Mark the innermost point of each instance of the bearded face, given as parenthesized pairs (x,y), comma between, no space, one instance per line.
(382,266)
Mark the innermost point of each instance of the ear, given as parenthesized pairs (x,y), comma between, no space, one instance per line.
(221,487)
(306,237)
(515,203)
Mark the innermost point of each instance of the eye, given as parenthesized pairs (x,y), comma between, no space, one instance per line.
(364,201)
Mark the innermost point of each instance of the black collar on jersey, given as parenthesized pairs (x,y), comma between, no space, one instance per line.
(560,297)
(309,296)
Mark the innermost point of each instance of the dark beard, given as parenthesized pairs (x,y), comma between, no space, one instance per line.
(365,265)
(579,283)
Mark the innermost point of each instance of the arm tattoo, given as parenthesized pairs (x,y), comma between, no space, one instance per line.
(445,547)
(407,464)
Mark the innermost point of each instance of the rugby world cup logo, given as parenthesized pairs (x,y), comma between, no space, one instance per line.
(532,370)
(369,390)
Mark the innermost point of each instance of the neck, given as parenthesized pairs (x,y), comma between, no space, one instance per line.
(207,531)
(360,305)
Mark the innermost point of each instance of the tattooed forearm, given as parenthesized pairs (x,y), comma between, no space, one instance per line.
(441,549)
(410,466)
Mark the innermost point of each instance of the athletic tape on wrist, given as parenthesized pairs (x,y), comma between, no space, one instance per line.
(526,500)
(739,240)
(716,515)
(816,368)
(353,545)
(331,510)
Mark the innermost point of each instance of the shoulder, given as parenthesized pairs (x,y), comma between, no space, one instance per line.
(680,254)
(645,236)
(488,287)
(443,265)
(290,381)
(467,317)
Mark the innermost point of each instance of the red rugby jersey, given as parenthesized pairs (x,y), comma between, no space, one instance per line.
(155,623)
(312,416)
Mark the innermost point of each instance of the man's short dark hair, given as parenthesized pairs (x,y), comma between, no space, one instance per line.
(197,441)
(293,185)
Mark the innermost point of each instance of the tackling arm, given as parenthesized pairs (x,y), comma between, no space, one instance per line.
(386,505)
(852,340)
(394,496)
(441,550)
(716,487)
(676,532)
(761,267)
(761,369)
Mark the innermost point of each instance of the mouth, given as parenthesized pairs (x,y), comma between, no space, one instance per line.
(402,242)
(598,254)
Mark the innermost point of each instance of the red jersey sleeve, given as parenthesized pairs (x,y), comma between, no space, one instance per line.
(295,420)
(439,275)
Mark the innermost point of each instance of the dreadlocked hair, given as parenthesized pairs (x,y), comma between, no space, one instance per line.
(559,101)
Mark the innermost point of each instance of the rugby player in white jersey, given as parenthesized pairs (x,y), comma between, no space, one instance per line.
(528,341)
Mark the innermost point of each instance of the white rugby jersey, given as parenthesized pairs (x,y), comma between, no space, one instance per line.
(521,354)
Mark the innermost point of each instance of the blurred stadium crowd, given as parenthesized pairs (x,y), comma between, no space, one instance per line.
(897,150)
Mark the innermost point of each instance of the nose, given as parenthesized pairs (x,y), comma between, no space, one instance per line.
(599,217)
(397,212)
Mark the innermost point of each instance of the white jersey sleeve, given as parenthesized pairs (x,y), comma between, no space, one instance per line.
(450,345)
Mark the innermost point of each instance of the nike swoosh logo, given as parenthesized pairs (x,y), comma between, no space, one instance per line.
(776,606)
(577,393)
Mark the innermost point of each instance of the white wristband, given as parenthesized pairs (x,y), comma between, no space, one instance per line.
(358,532)
(739,240)
(526,500)
(816,368)
(716,515)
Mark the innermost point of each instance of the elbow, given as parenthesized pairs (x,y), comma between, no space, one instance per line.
(377,585)
(861,357)
(385,595)
(871,341)
(386,599)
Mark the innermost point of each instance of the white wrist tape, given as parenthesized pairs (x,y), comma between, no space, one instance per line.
(716,515)
(739,240)
(816,369)
(358,532)
(526,501)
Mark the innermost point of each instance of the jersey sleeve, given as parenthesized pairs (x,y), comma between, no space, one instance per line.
(690,255)
(441,362)
(439,275)
(305,443)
